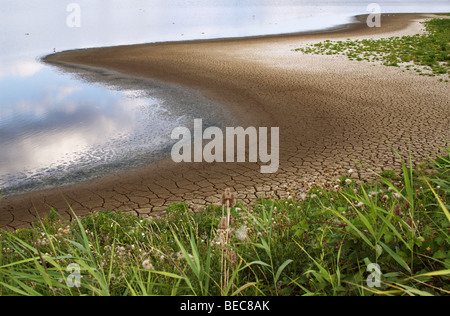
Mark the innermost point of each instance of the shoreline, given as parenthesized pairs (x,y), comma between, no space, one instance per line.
(327,104)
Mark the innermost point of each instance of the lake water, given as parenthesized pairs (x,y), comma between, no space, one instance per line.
(60,127)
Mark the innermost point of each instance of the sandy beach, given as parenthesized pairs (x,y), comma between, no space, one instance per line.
(331,112)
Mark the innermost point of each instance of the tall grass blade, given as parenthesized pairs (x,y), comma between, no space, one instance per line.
(395,256)
(441,204)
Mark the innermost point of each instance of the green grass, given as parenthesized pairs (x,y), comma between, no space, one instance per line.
(320,243)
(427,54)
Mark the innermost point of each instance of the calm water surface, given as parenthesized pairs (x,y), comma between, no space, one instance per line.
(59,127)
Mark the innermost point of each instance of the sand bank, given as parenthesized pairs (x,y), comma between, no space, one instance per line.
(329,111)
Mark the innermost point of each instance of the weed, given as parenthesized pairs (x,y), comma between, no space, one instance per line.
(428,52)
(319,244)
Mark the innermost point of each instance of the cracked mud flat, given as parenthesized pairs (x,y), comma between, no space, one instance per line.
(330,112)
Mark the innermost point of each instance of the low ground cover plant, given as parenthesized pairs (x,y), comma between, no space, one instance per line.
(384,237)
(427,54)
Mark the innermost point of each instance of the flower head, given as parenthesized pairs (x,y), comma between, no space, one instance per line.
(147,265)
(227,198)
(223,223)
(241,233)
(233,259)
(397,210)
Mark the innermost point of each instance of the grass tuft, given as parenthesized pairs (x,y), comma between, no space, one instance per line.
(321,243)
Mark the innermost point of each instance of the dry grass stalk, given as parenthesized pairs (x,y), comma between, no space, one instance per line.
(228,201)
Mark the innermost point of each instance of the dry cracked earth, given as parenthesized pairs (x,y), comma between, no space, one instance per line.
(332,114)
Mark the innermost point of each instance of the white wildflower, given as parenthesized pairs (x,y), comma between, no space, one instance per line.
(147,265)
(180,255)
(241,233)
(121,251)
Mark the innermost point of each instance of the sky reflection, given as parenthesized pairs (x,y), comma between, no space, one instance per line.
(56,123)
(66,126)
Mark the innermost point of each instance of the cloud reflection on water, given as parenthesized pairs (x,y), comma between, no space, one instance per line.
(61,123)
(73,125)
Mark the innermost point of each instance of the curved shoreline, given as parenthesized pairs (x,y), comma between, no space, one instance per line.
(329,111)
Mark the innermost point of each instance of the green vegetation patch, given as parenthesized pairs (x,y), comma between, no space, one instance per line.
(327,241)
(427,54)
